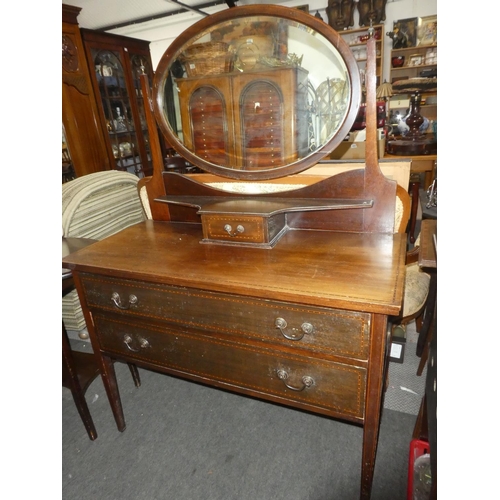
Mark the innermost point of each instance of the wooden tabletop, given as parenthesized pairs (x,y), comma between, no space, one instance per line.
(346,270)
(428,240)
(70,245)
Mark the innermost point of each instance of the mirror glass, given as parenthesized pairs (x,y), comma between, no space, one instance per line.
(248,94)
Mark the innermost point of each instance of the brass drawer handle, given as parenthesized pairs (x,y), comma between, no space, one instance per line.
(127,339)
(281,324)
(132,300)
(229,230)
(307,381)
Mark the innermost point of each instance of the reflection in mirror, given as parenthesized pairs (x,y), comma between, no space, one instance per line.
(254,93)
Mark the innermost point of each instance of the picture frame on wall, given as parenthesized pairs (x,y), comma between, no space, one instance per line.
(427,30)
(406,31)
(415,60)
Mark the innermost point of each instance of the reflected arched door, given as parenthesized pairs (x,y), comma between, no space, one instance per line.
(262,120)
(208,114)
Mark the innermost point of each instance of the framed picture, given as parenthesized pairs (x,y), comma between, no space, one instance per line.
(405,33)
(427,31)
(415,60)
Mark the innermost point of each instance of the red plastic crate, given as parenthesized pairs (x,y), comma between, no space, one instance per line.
(417,449)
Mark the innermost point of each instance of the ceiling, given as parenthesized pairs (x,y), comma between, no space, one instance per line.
(110,14)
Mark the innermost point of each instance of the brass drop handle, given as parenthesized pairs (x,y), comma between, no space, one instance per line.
(307,381)
(229,230)
(132,300)
(281,324)
(127,339)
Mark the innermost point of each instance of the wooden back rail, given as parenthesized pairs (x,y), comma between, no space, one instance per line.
(365,183)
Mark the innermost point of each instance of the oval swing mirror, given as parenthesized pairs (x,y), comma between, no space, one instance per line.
(256,92)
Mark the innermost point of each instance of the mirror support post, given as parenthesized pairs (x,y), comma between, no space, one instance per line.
(154,187)
(376,184)
(371,118)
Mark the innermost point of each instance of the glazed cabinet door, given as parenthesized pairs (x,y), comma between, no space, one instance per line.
(116,63)
(207,118)
(253,105)
(273,127)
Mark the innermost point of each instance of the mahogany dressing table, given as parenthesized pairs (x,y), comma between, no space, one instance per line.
(286,295)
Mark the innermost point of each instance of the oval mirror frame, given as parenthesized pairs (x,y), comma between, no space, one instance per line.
(311,24)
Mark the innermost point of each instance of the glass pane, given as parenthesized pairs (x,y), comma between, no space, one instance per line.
(117,110)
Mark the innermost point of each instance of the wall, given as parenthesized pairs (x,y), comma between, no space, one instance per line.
(161,32)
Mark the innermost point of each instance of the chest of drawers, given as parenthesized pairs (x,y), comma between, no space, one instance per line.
(303,325)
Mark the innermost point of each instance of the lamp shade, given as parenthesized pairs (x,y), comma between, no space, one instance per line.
(384,90)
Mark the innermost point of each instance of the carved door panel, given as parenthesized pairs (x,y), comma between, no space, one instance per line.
(261,108)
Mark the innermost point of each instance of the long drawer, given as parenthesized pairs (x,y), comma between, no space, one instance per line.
(327,386)
(322,330)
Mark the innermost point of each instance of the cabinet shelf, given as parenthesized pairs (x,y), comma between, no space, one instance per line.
(351,37)
(401,100)
(420,66)
(419,48)
(361,44)
(122,132)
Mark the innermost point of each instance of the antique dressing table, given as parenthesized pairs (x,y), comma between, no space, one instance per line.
(283,294)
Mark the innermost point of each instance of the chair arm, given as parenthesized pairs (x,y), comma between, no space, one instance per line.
(412,255)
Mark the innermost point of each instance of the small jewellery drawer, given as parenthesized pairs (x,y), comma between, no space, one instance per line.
(320,329)
(331,387)
(256,231)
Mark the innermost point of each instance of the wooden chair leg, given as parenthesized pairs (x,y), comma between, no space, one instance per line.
(425,352)
(72,382)
(428,315)
(135,374)
(419,322)
(414,187)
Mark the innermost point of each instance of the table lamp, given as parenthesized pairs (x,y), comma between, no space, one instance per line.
(384,92)
(414,142)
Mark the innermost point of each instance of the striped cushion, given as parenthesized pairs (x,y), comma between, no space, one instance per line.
(100,204)
(96,206)
(72,312)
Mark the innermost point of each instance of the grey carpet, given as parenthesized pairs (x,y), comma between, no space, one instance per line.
(184,441)
(405,389)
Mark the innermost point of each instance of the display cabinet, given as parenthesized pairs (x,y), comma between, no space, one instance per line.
(215,108)
(84,146)
(116,63)
(414,62)
(410,63)
(357,38)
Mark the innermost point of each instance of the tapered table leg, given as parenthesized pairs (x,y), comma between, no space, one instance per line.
(111,386)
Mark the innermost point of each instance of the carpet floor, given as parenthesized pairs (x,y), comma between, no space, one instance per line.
(405,389)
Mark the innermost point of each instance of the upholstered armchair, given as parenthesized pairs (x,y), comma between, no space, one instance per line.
(96,206)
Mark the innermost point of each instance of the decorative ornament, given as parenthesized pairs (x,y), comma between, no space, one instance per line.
(340,14)
(371,11)
(69,54)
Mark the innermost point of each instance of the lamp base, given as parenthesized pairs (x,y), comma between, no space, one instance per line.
(415,143)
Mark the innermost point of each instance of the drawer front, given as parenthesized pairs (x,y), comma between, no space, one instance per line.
(333,388)
(322,330)
(233,228)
